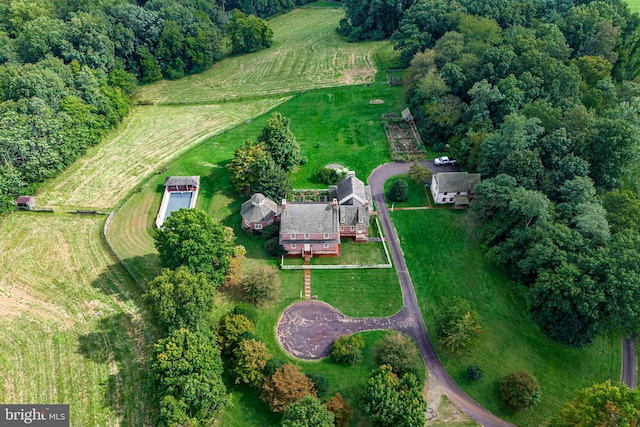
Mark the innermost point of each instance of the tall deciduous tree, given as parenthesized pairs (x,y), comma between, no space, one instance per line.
(603,404)
(248,33)
(180,299)
(287,385)
(307,412)
(400,352)
(459,327)
(249,360)
(261,284)
(340,409)
(187,370)
(230,328)
(389,401)
(190,238)
(280,142)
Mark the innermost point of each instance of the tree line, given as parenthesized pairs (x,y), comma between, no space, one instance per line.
(67,69)
(542,101)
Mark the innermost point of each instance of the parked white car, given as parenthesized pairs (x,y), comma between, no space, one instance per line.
(441,161)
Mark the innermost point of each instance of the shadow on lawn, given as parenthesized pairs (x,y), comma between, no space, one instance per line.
(116,341)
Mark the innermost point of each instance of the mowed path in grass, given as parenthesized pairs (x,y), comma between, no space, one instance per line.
(71,330)
(306,53)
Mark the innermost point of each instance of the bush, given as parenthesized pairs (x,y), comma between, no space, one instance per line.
(328,176)
(247,311)
(270,231)
(273,365)
(320,383)
(304,160)
(399,191)
(398,351)
(520,390)
(348,349)
(474,373)
(274,248)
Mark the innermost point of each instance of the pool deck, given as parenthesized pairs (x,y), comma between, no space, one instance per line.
(165,203)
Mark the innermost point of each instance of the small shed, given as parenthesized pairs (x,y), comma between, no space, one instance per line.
(407,116)
(26,202)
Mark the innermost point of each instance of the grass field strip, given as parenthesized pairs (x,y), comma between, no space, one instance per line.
(151,136)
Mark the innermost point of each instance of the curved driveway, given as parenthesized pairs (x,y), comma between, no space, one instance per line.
(418,330)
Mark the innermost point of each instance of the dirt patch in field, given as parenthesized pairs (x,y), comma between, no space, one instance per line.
(376,101)
(440,410)
(358,76)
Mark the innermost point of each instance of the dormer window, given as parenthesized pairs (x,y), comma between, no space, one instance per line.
(326,235)
(292,236)
(306,236)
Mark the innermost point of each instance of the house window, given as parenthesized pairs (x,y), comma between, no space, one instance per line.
(258,226)
(458,193)
(306,236)
(451,199)
(292,236)
(325,245)
(341,228)
(445,193)
(326,235)
(293,246)
(352,228)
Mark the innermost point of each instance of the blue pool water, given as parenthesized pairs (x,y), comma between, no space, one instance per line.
(177,201)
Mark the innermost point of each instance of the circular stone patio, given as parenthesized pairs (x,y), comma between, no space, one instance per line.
(307,329)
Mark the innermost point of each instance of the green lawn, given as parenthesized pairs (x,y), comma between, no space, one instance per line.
(417,193)
(444,262)
(634,5)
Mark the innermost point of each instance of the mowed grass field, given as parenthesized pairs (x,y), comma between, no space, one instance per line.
(306,53)
(71,327)
(149,137)
(444,261)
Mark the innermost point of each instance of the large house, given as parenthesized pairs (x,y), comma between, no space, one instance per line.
(454,187)
(315,228)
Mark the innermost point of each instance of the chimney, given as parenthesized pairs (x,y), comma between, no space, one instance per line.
(335,204)
(284,204)
(351,173)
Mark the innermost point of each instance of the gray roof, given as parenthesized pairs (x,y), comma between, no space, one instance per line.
(350,215)
(406,114)
(258,209)
(454,182)
(182,180)
(306,218)
(351,190)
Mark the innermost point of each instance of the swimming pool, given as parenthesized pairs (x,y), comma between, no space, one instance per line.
(174,200)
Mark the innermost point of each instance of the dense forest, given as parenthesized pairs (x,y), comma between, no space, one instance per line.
(542,98)
(67,69)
